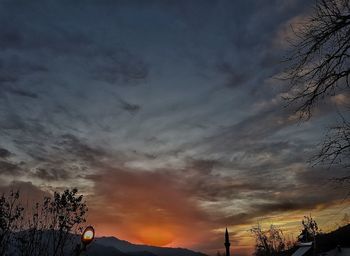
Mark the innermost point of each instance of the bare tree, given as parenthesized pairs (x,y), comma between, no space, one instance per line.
(320,68)
(320,63)
(268,242)
(11,212)
(335,149)
(310,230)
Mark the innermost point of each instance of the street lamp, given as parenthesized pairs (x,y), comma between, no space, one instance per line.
(86,238)
(88,235)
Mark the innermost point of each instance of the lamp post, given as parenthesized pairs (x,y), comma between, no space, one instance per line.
(86,238)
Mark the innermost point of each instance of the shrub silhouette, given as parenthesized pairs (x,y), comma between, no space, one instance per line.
(45,229)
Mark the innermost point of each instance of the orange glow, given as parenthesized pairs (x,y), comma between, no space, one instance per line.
(155,236)
(153,208)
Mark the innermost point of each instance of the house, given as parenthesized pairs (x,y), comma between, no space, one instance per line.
(305,249)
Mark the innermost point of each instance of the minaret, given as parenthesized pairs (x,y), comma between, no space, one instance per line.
(227,243)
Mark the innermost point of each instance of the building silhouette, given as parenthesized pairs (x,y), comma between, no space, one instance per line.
(227,243)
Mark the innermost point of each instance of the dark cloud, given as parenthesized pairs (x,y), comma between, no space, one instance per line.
(204,166)
(63,158)
(252,131)
(266,194)
(10,37)
(27,190)
(131,108)
(7,79)
(14,67)
(4,153)
(52,174)
(234,75)
(73,146)
(119,67)
(16,75)
(23,93)
(55,157)
(10,168)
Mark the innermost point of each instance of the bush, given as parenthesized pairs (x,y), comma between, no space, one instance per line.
(45,229)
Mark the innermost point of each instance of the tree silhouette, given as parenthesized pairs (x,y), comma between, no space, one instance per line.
(335,149)
(268,242)
(320,68)
(44,230)
(10,215)
(310,230)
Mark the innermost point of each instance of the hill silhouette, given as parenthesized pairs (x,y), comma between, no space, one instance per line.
(111,246)
(339,237)
(144,250)
(327,241)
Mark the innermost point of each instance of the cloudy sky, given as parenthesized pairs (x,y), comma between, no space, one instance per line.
(167,115)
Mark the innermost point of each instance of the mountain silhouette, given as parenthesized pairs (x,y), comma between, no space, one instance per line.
(106,246)
(96,250)
(144,250)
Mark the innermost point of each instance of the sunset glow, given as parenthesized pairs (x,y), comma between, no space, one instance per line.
(155,236)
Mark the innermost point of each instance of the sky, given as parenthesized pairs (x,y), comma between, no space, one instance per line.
(168,116)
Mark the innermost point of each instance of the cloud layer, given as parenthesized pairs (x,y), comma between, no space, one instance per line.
(167,115)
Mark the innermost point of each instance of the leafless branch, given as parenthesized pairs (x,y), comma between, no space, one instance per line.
(320,63)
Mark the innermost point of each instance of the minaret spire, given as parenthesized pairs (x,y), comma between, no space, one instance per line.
(227,243)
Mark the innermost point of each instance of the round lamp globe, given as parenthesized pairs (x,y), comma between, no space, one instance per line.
(88,235)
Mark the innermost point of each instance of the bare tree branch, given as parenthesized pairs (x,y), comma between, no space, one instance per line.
(320,68)
(336,146)
(320,63)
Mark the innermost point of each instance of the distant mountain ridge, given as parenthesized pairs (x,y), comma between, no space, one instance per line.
(109,246)
(142,250)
